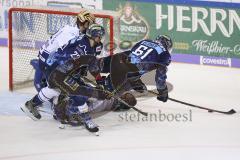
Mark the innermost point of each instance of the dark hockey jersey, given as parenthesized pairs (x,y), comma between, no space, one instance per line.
(73,50)
(149,52)
(146,54)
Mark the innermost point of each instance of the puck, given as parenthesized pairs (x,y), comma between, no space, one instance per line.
(97,134)
(61,126)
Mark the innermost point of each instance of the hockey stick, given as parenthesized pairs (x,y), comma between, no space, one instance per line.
(232,111)
(115,97)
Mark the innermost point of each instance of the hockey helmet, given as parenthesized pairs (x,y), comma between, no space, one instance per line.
(85,16)
(165,41)
(95,30)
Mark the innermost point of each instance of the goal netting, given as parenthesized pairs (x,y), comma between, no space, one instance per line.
(29,28)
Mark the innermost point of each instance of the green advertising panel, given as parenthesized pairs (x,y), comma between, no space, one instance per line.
(196,30)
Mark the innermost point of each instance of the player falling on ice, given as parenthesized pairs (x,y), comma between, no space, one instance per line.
(63,69)
(127,68)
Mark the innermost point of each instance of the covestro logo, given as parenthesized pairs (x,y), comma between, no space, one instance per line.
(219,61)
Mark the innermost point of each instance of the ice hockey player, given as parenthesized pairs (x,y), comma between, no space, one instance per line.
(146,55)
(58,41)
(62,69)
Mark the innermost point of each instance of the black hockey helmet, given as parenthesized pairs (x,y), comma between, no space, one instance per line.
(95,30)
(166,41)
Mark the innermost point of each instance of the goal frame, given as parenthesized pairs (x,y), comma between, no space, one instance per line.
(33,10)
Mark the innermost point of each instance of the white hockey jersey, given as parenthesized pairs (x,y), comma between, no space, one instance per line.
(60,39)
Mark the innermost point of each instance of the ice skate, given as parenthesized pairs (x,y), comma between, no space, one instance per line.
(88,123)
(31,111)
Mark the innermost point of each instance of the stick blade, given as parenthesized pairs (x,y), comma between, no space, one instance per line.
(145,113)
(232,111)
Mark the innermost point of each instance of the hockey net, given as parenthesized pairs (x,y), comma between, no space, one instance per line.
(29,28)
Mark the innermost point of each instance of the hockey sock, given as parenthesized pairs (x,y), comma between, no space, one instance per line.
(36,101)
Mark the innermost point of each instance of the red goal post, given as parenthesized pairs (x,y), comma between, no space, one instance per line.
(29,28)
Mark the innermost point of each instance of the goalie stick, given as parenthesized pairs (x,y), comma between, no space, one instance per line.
(232,111)
(115,97)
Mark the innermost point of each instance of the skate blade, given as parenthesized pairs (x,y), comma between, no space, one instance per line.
(26,111)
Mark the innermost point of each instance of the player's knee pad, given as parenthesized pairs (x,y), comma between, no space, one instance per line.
(47,93)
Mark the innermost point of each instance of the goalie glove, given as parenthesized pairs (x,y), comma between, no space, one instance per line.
(163,94)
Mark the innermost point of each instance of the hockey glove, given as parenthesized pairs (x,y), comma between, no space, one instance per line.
(163,94)
(101,81)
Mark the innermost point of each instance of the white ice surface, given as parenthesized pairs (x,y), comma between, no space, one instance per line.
(209,136)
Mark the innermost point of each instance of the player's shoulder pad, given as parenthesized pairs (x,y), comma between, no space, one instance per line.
(149,40)
(71,30)
(84,38)
(143,41)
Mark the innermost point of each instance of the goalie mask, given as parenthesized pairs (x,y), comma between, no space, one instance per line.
(165,41)
(95,30)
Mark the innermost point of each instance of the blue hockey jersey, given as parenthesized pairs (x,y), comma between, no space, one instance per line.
(72,50)
(145,54)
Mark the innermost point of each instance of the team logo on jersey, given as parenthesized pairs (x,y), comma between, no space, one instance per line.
(133,27)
